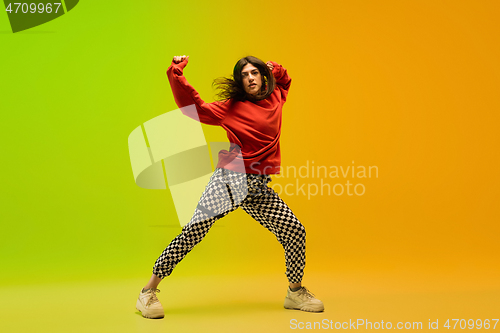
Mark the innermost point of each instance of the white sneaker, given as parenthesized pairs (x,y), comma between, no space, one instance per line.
(304,300)
(149,305)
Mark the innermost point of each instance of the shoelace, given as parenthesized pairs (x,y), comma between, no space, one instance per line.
(153,299)
(306,292)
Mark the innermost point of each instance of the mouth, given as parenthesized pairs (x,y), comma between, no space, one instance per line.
(252,85)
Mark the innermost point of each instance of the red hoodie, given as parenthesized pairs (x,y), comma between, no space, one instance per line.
(254,126)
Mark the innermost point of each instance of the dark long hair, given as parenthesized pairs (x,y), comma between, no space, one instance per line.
(232,87)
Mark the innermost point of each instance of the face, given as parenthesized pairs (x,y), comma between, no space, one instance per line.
(252,80)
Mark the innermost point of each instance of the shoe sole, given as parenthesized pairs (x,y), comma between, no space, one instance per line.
(291,305)
(145,313)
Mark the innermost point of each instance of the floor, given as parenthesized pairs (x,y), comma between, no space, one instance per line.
(251,304)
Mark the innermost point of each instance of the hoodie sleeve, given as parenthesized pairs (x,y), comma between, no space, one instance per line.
(185,95)
(283,81)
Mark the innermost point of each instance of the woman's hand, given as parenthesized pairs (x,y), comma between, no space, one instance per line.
(270,66)
(179,59)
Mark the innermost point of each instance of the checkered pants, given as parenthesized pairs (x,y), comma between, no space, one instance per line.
(226,191)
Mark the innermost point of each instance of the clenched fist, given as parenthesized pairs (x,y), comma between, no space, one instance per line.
(179,59)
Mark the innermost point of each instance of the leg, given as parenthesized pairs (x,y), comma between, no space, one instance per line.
(153,282)
(271,211)
(215,203)
(180,246)
(192,234)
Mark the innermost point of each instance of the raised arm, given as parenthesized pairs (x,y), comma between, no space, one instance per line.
(185,95)
(283,81)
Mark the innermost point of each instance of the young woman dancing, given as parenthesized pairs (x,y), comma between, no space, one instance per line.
(249,110)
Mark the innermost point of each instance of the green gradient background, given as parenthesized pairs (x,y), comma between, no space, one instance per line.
(409,87)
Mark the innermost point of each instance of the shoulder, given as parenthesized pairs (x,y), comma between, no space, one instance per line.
(226,104)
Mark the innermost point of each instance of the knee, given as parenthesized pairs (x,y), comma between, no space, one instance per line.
(195,231)
(299,230)
(302,229)
(192,233)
